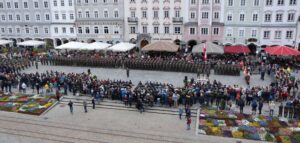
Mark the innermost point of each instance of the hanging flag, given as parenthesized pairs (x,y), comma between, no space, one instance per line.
(204,52)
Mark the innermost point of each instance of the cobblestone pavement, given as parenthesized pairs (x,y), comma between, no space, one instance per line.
(158,76)
(104,125)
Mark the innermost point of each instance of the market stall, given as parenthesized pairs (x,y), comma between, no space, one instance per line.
(96,46)
(122,47)
(211,48)
(32,43)
(71,46)
(161,46)
(236,49)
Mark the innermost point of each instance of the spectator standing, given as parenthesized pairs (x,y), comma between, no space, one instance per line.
(71,106)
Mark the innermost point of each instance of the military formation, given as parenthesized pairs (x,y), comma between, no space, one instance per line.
(14,65)
(224,69)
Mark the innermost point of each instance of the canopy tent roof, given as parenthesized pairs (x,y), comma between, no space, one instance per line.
(282,51)
(72,46)
(4,42)
(236,49)
(122,47)
(161,46)
(33,43)
(211,48)
(96,46)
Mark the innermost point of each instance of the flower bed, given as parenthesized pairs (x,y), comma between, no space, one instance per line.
(26,103)
(244,126)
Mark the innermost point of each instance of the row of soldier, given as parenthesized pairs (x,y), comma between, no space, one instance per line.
(142,64)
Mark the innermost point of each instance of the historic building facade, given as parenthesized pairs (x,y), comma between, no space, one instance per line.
(298,35)
(63,21)
(100,20)
(204,22)
(279,22)
(25,19)
(242,20)
(151,20)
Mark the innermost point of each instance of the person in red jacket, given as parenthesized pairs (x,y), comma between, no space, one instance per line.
(188,122)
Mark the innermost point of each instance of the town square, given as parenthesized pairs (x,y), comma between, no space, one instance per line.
(149,71)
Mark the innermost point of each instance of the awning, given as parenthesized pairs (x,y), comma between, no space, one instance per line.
(161,46)
(5,42)
(282,51)
(237,49)
(96,46)
(211,48)
(72,46)
(33,43)
(122,47)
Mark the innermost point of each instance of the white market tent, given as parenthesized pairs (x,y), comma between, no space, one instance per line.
(5,42)
(96,46)
(72,46)
(122,47)
(32,43)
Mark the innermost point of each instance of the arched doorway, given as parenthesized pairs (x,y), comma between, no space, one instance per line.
(177,42)
(133,41)
(253,48)
(144,43)
(58,42)
(91,40)
(191,44)
(49,43)
(64,41)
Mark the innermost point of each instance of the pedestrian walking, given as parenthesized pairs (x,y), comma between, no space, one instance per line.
(260,106)
(271,107)
(254,106)
(85,106)
(188,123)
(24,86)
(127,72)
(71,106)
(180,111)
(93,102)
(241,104)
(36,65)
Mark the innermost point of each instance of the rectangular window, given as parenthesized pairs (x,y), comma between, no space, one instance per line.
(255,17)
(106,30)
(62,2)
(242,17)
(177,13)
(36,30)
(230,2)
(64,17)
(192,31)
(243,2)
(96,30)
(116,14)
(87,30)
(280,2)
(1,5)
(204,15)
(96,14)
(204,31)
(177,30)
(193,15)
(155,14)
(229,17)
(267,17)
(46,4)
(216,15)
(269,2)
(256,2)
(80,30)
(18,30)
(55,2)
(167,29)
(64,30)
(36,4)
(277,34)
(46,30)
(279,17)
(144,14)
(241,33)
(71,16)
(293,2)
(266,35)
(145,29)
(56,30)
(16,5)
(156,29)
(216,31)
(166,14)
(106,14)
(253,33)
(70,2)
(132,30)
(72,30)
(291,17)
(25,5)
(289,34)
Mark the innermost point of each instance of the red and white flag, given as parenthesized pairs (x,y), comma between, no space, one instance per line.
(204,52)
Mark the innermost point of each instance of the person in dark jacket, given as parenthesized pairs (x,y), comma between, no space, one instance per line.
(71,106)
(242,105)
(93,102)
(254,106)
(260,106)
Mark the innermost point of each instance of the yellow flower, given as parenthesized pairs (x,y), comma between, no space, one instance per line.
(237,134)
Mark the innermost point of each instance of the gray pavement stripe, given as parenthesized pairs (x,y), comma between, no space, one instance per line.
(146,137)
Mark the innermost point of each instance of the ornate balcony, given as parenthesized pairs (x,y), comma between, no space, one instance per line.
(133,19)
(178,19)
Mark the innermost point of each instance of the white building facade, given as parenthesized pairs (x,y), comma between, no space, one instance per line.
(298,35)
(152,20)
(279,22)
(63,21)
(100,20)
(242,20)
(25,20)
